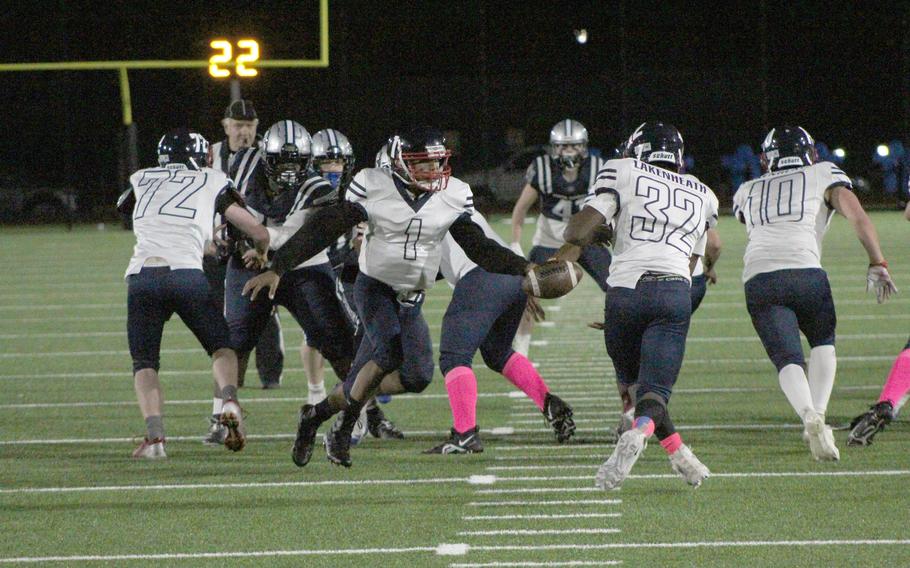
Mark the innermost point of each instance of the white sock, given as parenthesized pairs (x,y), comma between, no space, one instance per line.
(316,393)
(822,368)
(217,406)
(795,385)
(522,343)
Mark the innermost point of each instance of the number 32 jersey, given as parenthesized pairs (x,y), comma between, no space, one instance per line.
(786,217)
(660,218)
(402,245)
(174,214)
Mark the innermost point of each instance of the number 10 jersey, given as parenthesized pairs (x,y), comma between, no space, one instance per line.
(786,217)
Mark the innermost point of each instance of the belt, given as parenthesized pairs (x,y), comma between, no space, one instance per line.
(411,298)
(662,277)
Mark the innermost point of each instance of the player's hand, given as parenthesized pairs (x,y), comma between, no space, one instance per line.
(267,279)
(534,310)
(516,248)
(254,260)
(711,275)
(879,279)
(598,325)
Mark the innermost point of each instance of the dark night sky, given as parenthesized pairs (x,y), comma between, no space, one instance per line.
(832,67)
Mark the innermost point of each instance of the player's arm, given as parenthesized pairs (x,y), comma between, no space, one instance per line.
(907,211)
(231,206)
(845,202)
(584,224)
(712,254)
(487,253)
(525,201)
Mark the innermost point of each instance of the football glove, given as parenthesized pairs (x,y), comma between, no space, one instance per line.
(878,279)
(516,248)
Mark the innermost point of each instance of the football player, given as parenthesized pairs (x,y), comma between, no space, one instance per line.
(172,207)
(660,218)
(484,314)
(864,427)
(559,181)
(281,189)
(786,212)
(408,209)
(333,159)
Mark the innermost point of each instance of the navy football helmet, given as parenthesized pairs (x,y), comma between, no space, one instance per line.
(182,146)
(410,153)
(787,147)
(656,142)
(286,147)
(329,145)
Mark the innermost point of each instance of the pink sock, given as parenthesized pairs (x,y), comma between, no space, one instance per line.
(898,382)
(523,375)
(644,424)
(671,443)
(461,384)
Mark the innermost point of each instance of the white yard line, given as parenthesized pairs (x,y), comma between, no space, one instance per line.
(702,544)
(545,502)
(536,564)
(540,517)
(537,532)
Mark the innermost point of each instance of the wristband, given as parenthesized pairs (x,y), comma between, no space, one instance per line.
(883,263)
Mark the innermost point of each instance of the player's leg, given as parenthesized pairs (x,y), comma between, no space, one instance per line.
(270,352)
(767,299)
(864,427)
(215,270)
(314,368)
(624,348)
(192,302)
(522,341)
(698,291)
(596,259)
(814,307)
(147,310)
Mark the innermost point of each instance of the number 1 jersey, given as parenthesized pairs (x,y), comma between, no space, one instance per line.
(402,245)
(660,218)
(786,217)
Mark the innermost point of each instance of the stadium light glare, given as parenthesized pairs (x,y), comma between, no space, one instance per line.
(581,36)
(839,152)
(882,150)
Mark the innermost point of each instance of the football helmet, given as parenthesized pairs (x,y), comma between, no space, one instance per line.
(329,144)
(382,158)
(287,148)
(568,143)
(656,142)
(420,159)
(787,147)
(182,146)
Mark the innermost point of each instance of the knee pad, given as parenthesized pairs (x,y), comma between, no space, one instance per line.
(781,360)
(139,364)
(416,384)
(449,361)
(497,359)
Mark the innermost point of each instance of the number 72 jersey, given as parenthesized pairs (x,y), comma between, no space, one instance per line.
(786,217)
(660,219)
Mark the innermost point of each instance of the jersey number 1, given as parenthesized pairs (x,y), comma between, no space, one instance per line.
(413,235)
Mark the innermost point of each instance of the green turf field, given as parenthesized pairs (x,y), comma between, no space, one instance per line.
(68,423)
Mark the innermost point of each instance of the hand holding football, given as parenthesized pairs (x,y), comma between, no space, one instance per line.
(552,279)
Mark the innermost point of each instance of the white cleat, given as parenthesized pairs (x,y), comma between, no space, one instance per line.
(684,462)
(614,471)
(626,419)
(360,427)
(150,449)
(821,438)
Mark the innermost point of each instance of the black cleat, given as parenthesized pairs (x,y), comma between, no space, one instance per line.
(381,427)
(338,440)
(865,426)
(559,417)
(467,443)
(307,425)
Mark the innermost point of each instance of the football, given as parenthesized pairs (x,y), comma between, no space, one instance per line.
(552,279)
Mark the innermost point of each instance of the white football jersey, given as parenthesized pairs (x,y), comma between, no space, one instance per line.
(660,218)
(402,244)
(174,214)
(786,217)
(455,262)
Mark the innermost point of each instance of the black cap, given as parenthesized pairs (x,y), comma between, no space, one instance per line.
(240,110)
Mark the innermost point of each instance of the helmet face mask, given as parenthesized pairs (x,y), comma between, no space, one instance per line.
(421,160)
(333,157)
(787,147)
(568,143)
(655,143)
(286,147)
(183,148)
